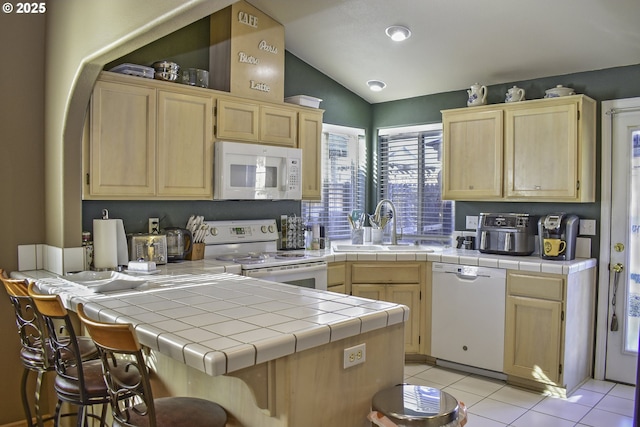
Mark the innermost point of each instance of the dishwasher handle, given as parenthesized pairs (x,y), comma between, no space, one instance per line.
(468,272)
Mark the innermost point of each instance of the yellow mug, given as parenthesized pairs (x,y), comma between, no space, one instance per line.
(554,247)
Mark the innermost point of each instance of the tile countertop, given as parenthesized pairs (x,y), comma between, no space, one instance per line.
(465,256)
(220,322)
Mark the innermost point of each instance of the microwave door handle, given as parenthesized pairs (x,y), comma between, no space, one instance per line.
(285,171)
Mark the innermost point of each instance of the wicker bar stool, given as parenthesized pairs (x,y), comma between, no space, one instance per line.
(35,356)
(118,346)
(78,382)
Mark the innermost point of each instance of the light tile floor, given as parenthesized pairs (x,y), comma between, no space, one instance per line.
(493,403)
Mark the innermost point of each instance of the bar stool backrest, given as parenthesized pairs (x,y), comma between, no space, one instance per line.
(62,338)
(31,329)
(119,348)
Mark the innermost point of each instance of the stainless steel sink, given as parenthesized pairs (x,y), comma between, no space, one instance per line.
(358,248)
(381,248)
(407,248)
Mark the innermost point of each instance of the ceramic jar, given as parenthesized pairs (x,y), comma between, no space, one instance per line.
(477,95)
(515,94)
(559,91)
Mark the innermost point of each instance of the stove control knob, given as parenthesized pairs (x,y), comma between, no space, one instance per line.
(272,229)
(263,228)
(213,231)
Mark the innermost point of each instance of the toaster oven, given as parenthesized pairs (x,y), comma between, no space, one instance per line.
(148,247)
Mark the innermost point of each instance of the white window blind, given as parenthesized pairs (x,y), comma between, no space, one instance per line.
(343,181)
(409,174)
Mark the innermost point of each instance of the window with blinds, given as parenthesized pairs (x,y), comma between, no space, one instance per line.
(343,181)
(409,174)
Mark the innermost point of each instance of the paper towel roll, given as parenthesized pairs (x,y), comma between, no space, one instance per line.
(123,250)
(109,244)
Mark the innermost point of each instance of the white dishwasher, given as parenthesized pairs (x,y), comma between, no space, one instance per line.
(468,308)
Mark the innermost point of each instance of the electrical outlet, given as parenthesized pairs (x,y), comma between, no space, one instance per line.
(154,226)
(355,355)
(587,227)
(472,222)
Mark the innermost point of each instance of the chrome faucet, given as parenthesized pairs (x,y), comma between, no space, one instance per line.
(394,236)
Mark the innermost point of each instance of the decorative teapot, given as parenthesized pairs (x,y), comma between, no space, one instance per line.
(515,94)
(477,95)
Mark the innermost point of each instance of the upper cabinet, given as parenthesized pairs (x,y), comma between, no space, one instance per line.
(244,120)
(122,150)
(185,146)
(309,136)
(473,144)
(540,150)
(148,142)
(149,139)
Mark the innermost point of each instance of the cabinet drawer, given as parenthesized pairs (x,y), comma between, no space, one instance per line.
(386,273)
(535,286)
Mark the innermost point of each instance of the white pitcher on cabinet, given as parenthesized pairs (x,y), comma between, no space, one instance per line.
(477,95)
(515,94)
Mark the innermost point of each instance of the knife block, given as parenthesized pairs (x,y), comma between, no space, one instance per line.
(197,252)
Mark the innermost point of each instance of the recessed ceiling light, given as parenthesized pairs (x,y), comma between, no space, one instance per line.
(398,33)
(376,85)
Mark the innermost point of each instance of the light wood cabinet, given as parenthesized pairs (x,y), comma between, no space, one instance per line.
(237,120)
(473,146)
(401,282)
(243,120)
(539,150)
(533,326)
(549,329)
(148,143)
(122,147)
(279,126)
(309,138)
(149,139)
(336,277)
(185,146)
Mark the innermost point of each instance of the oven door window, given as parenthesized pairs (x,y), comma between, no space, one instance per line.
(304,283)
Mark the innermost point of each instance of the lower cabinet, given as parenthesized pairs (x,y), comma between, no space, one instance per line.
(398,282)
(336,277)
(533,329)
(549,329)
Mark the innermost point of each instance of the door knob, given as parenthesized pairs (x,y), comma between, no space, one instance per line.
(617,268)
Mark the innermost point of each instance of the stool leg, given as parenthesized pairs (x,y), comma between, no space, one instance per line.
(103,416)
(57,416)
(37,403)
(25,398)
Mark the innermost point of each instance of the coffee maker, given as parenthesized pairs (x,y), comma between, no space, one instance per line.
(558,233)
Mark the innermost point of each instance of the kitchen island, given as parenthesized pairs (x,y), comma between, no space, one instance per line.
(271,354)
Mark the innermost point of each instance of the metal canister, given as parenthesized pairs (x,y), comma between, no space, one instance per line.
(417,406)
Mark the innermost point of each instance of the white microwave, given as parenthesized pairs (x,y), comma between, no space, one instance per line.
(253,172)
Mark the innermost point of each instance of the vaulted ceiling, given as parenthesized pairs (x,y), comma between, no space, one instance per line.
(456,43)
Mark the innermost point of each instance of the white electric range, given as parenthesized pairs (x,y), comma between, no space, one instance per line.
(254,245)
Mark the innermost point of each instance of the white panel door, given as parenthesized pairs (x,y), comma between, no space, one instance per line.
(623,243)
